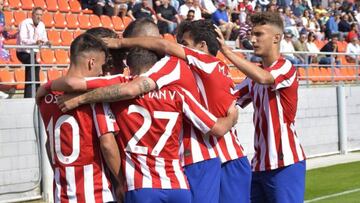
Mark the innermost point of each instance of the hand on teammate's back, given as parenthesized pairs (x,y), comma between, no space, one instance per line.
(68,102)
(233,112)
(112,42)
(40,93)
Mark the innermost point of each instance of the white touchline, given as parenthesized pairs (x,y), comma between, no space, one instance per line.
(333,195)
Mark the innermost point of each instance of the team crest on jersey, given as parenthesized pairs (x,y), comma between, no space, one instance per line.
(110,114)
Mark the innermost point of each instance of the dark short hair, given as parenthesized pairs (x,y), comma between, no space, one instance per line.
(191,11)
(36,9)
(86,43)
(267,18)
(136,28)
(201,30)
(101,32)
(148,59)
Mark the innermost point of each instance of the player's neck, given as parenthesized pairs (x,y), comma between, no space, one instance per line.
(75,71)
(267,61)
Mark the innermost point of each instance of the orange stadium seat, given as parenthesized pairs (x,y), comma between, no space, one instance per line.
(126,21)
(47,56)
(95,21)
(48,19)
(19,75)
(11,41)
(62,56)
(236,75)
(64,71)
(106,21)
(54,37)
(40,3)
(301,73)
(59,19)
(75,6)
(72,21)
(6,76)
(169,37)
(19,16)
(117,23)
(43,76)
(14,4)
(66,37)
(51,5)
(77,33)
(87,11)
(13,57)
(27,4)
(53,74)
(63,6)
(9,20)
(325,75)
(84,21)
(220,56)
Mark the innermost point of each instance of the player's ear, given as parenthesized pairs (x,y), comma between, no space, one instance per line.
(277,38)
(91,63)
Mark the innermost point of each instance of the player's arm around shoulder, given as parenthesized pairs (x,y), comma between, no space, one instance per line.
(224,124)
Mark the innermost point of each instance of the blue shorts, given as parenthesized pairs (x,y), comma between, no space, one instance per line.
(204,180)
(283,185)
(235,184)
(154,195)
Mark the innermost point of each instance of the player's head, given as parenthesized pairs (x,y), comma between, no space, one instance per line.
(88,55)
(143,27)
(148,59)
(116,56)
(267,33)
(199,35)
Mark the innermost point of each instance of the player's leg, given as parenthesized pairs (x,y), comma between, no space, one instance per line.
(258,194)
(235,182)
(152,195)
(287,185)
(204,180)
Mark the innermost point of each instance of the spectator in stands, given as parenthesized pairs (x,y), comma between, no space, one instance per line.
(344,25)
(184,9)
(287,46)
(220,18)
(245,43)
(123,9)
(300,45)
(312,48)
(354,32)
(289,21)
(87,4)
(119,7)
(31,32)
(332,25)
(190,16)
(142,10)
(331,46)
(353,50)
(104,7)
(168,18)
(298,8)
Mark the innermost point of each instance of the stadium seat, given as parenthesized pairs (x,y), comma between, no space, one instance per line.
(62,56)
(325,75)
(43,76)
(75,6)
(6,76)
(59,19)
(19,75)
(72,21)
(9,20)
(106,21)
(14,4)
(13,57)
(47,56)
(169,37)
(126,20)
(53,74)
(87,11)
(236,75)
(48,19)
(117,23)
(51,5)
(40,3)
(63,6)
(77,33)
(95,21)
(54,37)
(84,21)
(19,16)
(64,71)
(27,4)
(11,41)
(301,73)
(223,58)
(66,37)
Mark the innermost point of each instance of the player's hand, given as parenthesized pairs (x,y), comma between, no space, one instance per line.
(233,113)
(41,92)
(113,43)
(68,102)
(220,37)
(120,190)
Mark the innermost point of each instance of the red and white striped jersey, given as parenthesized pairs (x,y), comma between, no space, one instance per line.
(174,71)
(213,79)
(79,174)
(149,139)
(276,143)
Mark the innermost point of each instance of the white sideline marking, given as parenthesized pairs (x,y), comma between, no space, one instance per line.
(333,195)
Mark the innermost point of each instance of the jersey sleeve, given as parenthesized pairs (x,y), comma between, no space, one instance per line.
(200,62)
(96,82)
(284,74)
(104,119)
(243,92)
(196,113)
(165,71)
